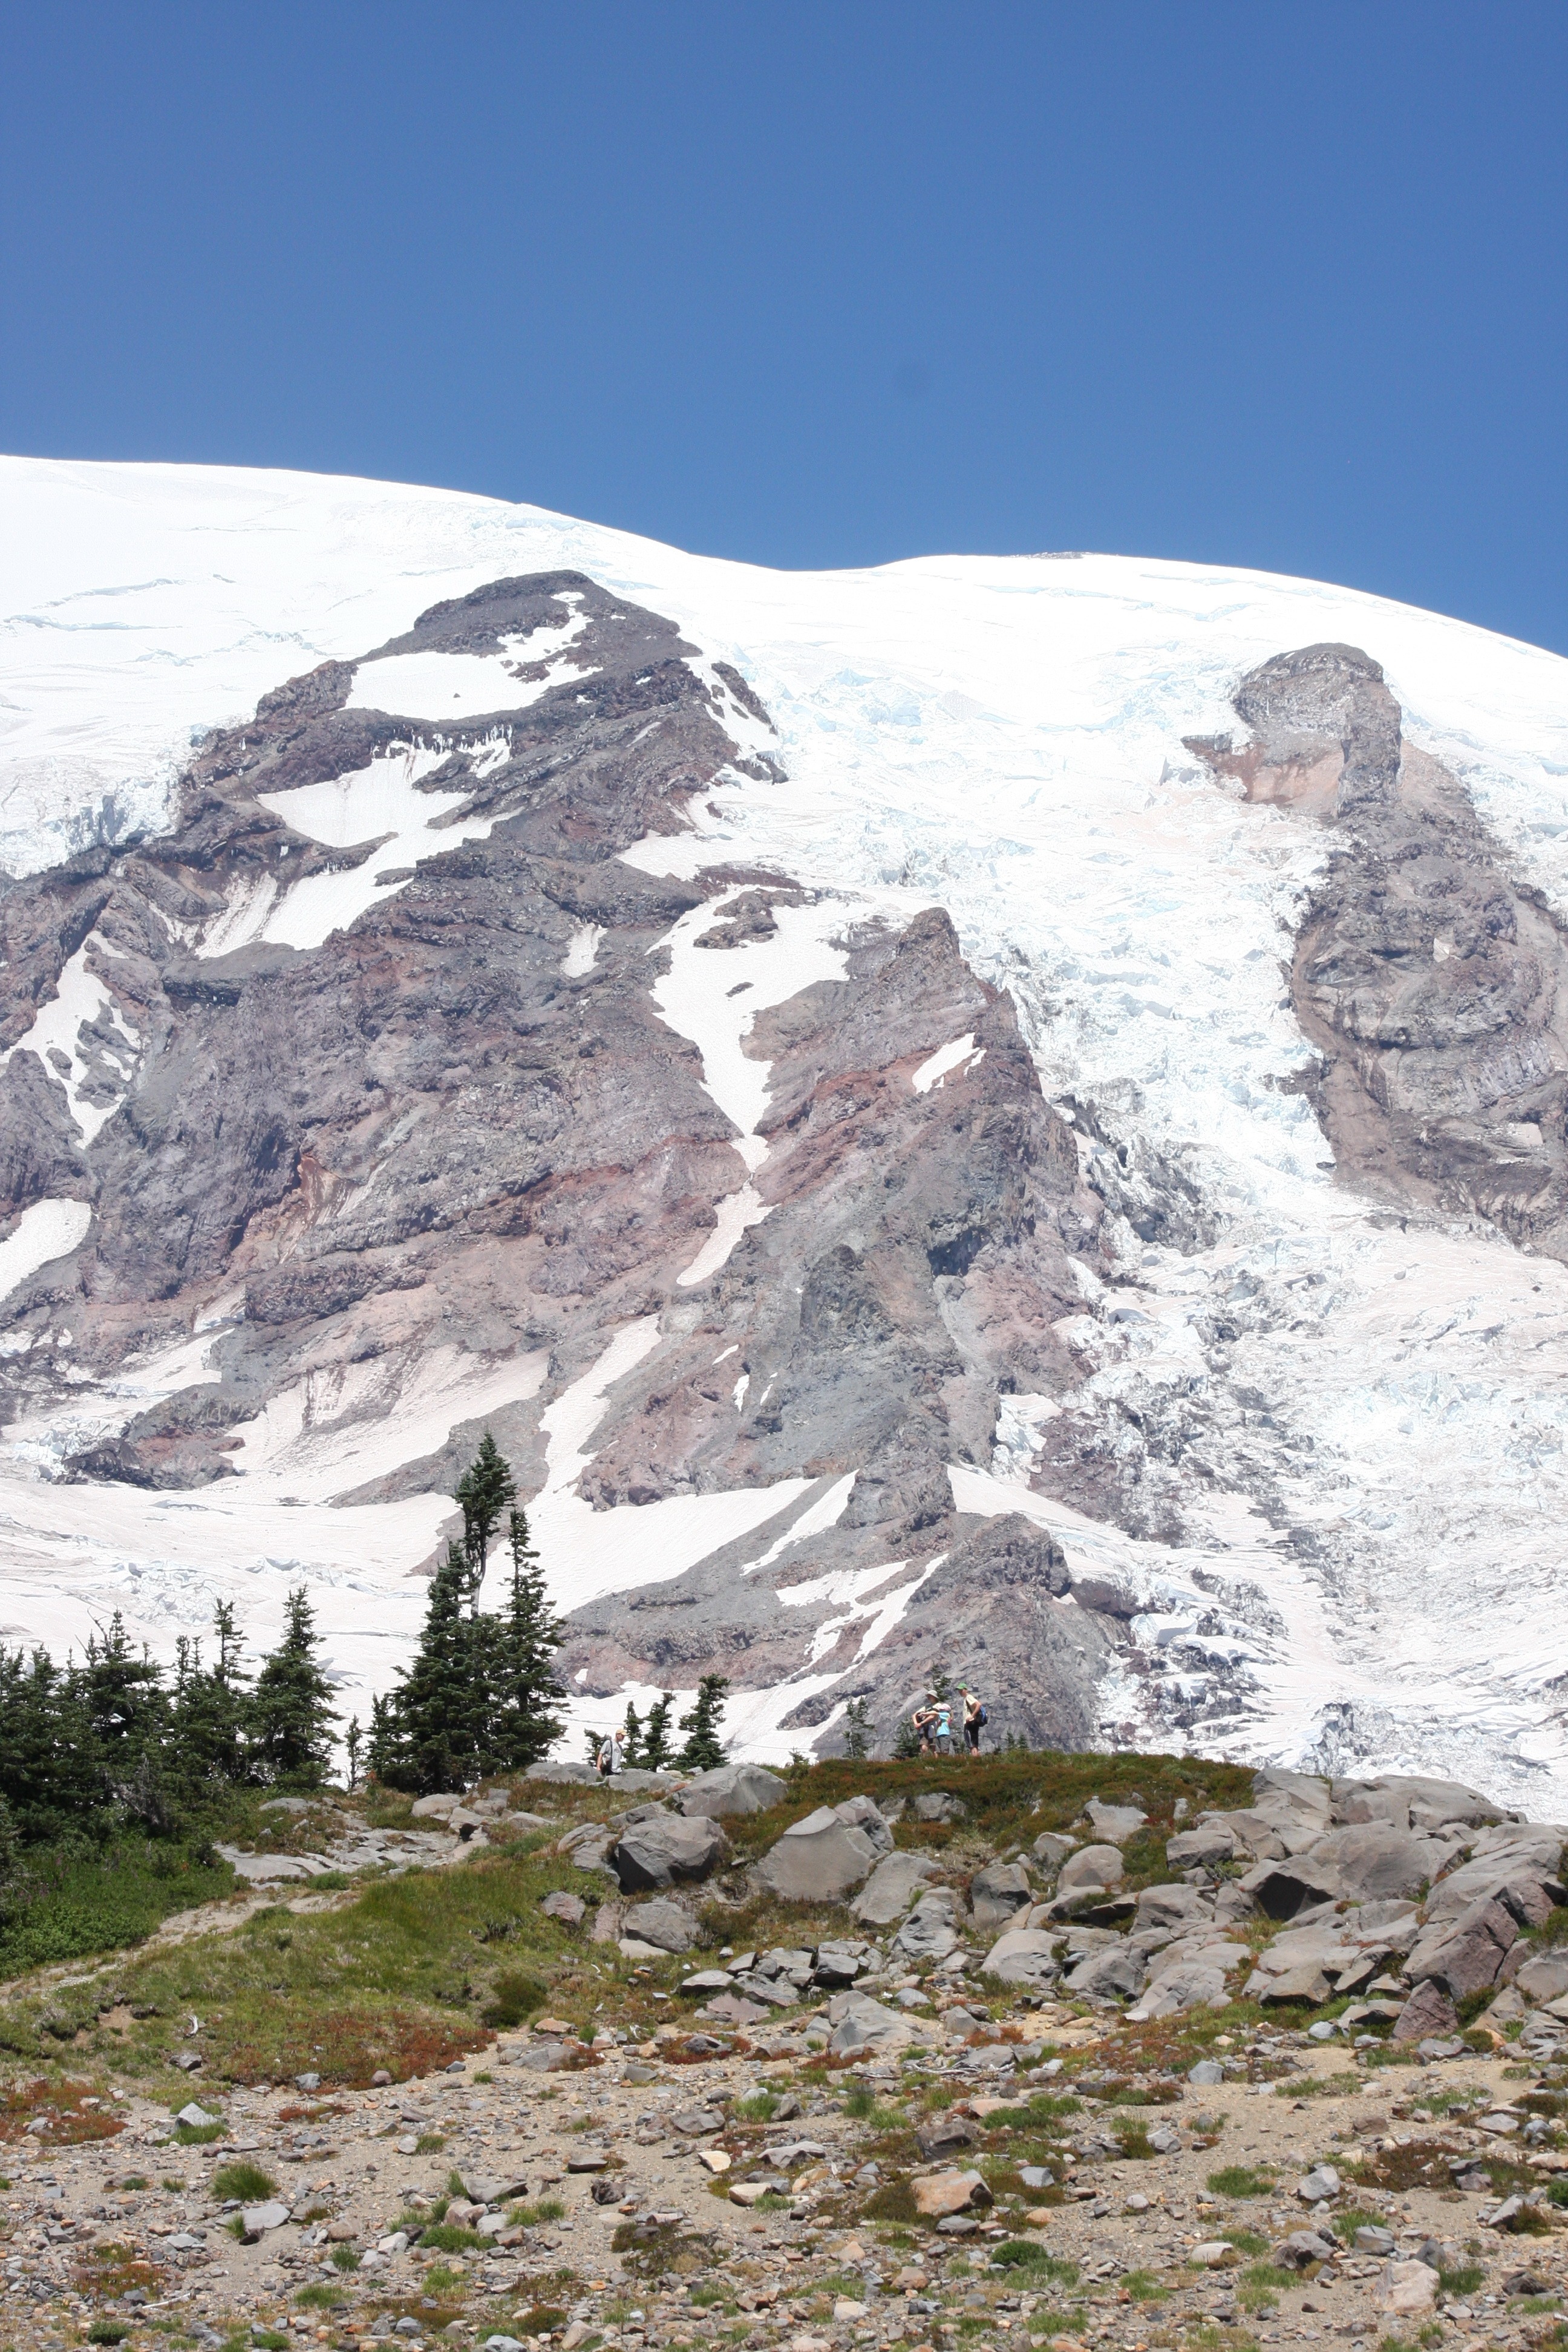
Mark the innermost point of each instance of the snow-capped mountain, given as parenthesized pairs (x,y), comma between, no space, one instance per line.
(1000,1112)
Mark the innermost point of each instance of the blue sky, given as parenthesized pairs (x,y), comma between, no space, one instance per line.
(1279,284)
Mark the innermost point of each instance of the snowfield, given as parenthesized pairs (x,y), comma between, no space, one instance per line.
(1002,736)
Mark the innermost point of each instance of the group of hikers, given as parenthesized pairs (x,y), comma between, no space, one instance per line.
(938,1720)
(941,1723)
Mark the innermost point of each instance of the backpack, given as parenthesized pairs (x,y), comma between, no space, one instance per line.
(982,1718)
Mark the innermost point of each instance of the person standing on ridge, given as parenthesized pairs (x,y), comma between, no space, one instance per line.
(975,1718)
(612,1755)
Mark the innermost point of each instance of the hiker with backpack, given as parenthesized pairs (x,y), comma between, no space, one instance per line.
(612,1756)
(975,1718)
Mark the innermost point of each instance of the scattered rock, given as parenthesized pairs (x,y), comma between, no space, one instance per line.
(558,1905)
(668,1848)
(893,1887)
(830,1854)
(1025,1955)
(998,1893)
(663,1925)
(1406,2289)
(1114,1824)
(732,1789)
(942,2193)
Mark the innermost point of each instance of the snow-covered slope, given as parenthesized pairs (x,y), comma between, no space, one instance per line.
(1369,1525)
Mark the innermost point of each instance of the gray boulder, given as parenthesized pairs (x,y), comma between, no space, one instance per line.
(588,1845)
(859,2023)
(1211,1841)
(1114,1824)
(998,1892)
(830,1854)
(1514,1863)
(1050,1849)
(662,1924)
(665,1850)
(1282,1889)
(1376,1860)
(1172,1906)
(1465,1955)
(1025,1955)
(1428,2013)
(1118,1971)
(931,1931)
(891,1888)
(941,1805)
(732,1789)
(1544,1978)
(256,2219)
(1298,1804)
(1092,1865)
(562,1774)
(569,1908)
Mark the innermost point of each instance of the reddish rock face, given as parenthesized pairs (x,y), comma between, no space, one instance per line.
(381,1066)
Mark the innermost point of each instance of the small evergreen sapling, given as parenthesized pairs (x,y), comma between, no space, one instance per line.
(703,1751)
(658,1747)
(293,1714)
(857,1730)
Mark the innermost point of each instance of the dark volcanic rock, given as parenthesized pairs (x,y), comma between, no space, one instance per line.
(1429,976)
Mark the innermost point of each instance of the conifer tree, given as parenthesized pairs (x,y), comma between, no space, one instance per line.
(906,1741)
(703,1751)
(658,1746)
(292,1712)
(526,1726)
(633,1755)
(420,1739)
(211,1712)
(857,1730)
(484,1492)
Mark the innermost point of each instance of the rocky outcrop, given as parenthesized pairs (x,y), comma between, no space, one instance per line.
(374,1083)
(1432,979)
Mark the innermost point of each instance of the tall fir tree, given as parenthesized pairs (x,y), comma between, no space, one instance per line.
(210,1726)
(292,1714)
(527,1725)
(703,1749)
(419,1739)
(658,1744)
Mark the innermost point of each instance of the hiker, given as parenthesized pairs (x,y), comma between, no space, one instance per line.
(612,1755)
(975,1718)
(941,1728)
(923,1717)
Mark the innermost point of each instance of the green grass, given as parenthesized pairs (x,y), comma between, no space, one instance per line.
(1464,2280)
(318,2298)
(757,2108)
(1247,2241)
(394,1979)
(1142,2286)
(244,2180)
(199,2134)
(860,2101)
(1240,2181)
(70,1901)
(1261,2282)
(344,2258)
(543,2209)
(1029,2255)
(107,2331)
(447,2239)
